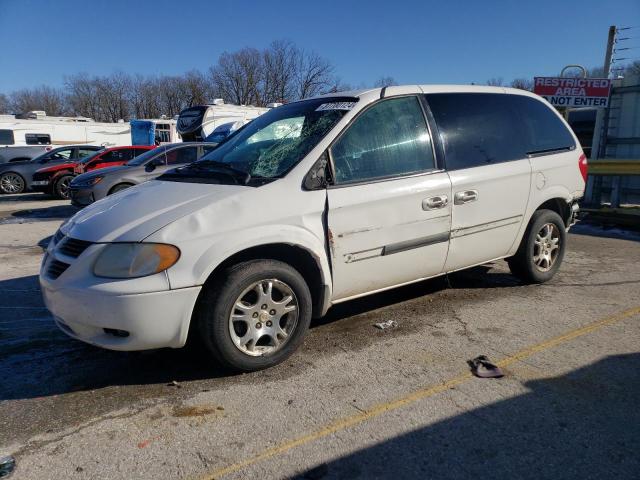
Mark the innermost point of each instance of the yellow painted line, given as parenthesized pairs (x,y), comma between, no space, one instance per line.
(413,397)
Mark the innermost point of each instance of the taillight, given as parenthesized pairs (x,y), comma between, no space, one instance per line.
(582,164)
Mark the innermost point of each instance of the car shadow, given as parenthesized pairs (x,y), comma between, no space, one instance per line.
(37,359)
(595,228)
(483,276)
(57,212)
(583,425)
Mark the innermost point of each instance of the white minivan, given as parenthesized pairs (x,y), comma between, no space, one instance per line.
(315,203)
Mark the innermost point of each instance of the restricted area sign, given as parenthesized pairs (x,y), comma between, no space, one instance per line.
(573,92)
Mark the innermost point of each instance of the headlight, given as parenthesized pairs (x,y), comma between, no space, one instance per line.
(132,260)
(87,183)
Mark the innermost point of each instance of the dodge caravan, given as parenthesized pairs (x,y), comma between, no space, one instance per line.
(315,203)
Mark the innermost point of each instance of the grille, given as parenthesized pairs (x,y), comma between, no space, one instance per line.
(56,268)
(58,236)
(73,247)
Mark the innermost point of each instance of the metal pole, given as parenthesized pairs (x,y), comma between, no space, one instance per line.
(607,56)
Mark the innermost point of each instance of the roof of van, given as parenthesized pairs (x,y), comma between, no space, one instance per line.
(405,89)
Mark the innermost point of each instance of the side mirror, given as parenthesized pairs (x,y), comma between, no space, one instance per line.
(150,167)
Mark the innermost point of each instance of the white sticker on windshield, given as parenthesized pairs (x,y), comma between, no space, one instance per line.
(336,106)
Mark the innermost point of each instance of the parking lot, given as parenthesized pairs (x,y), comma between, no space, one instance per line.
(355,401)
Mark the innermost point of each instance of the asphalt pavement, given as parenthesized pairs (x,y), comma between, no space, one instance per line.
(354,401)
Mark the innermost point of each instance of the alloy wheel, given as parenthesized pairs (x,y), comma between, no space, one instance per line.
(263,317)
(11,183)
(546,247)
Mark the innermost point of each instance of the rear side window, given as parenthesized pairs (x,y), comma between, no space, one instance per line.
(6,137)
(37,138)
(389,139)
(543,130)
(477,128)
(182,155)
(85,152)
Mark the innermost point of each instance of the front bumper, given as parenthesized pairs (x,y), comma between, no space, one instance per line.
(149,320)
(131,314)
(81,197)
(40,186)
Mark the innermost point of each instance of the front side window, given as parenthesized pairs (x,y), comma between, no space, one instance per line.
(272,144)
(37,138)
(477,128)
(6,137)
(389,139)
(59,156)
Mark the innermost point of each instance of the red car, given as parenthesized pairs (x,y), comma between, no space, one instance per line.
(55,180)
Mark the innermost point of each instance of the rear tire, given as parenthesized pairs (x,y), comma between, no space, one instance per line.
(11,182)
(541,250)
(61,188)
(248,325)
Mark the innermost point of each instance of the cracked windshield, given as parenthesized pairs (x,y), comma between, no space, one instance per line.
(273,143)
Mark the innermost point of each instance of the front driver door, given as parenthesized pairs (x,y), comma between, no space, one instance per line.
(389,207)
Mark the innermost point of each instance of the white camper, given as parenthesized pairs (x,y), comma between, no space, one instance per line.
(40,129)
(200,122)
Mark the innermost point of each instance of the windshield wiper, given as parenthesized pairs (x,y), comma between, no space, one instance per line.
(240,175)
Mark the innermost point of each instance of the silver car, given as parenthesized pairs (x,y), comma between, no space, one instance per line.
(91,186)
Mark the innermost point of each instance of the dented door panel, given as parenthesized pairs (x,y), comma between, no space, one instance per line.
(384,233)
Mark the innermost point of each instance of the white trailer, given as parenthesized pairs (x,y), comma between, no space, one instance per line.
(40,129)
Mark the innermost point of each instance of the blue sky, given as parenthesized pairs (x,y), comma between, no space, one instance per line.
(424,41)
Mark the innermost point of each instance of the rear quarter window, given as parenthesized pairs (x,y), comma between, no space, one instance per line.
(543,130)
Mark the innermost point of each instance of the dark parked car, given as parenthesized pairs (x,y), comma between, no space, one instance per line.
(16,177)
(94,185)
(11,153)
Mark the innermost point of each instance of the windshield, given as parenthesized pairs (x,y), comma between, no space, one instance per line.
(273,143)
(62,154)
(146,156)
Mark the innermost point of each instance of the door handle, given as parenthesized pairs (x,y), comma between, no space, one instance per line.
(434,203)
(465,197)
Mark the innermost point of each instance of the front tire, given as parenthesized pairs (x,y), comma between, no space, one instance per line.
(119,188)
(11,182)
(542,248)
(255,316)
(61,188)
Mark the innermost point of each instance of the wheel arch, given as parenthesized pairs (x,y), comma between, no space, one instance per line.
(297,256)
(558,205)
(112,189)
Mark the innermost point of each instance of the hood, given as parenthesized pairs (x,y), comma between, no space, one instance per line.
(100,172)
(135,213)
(58,166)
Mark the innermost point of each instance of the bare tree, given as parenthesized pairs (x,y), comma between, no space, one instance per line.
(4,104)
(82,96)
(237,76)
(385,82)
(495,82)
(522,83)
(195,89)
(281,61)
(49,99)
(314,75)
